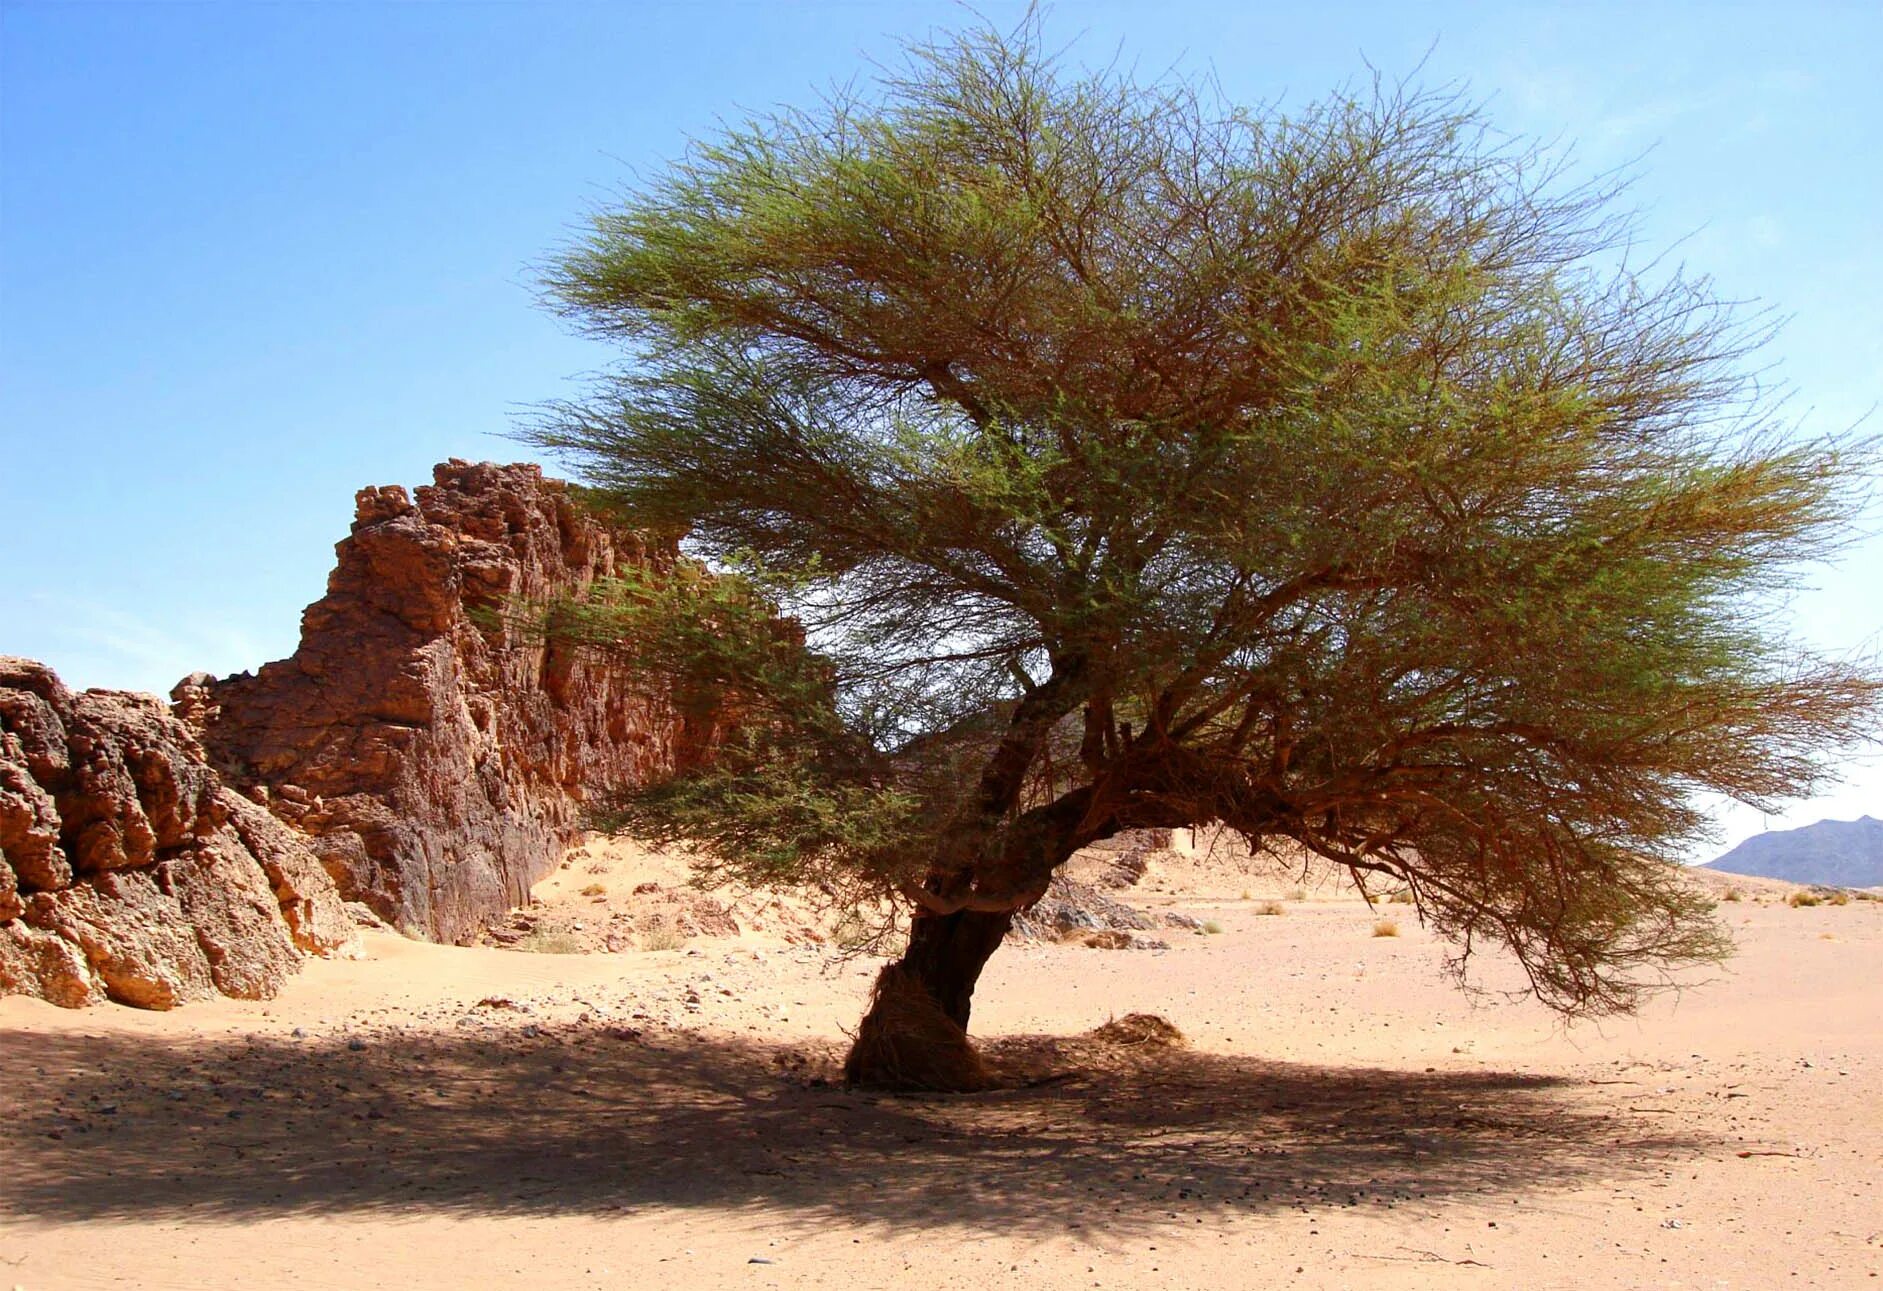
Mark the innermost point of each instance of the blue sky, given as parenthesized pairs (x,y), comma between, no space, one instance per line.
(254,257)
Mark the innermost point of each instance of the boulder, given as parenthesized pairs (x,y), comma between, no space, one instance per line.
(128,870)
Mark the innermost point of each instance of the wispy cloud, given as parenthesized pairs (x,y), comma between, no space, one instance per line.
(92,644)
(1611,120)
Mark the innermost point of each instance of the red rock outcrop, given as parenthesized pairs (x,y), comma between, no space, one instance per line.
(440,761)
(128,870)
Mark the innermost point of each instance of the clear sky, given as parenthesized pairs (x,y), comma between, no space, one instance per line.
(256,256)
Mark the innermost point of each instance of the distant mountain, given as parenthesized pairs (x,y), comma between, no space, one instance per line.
(1836,853)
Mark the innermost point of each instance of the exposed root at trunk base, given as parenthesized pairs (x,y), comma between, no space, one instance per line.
(907,1043)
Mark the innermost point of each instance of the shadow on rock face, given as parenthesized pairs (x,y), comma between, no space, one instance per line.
(598,1119)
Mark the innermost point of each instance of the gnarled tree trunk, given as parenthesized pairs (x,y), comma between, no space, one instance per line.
(947,952)
(915,1034)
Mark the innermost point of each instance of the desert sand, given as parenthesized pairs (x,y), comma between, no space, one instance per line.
(1339,1115)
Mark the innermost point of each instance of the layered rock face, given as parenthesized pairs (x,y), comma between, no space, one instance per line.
(128,870)
(438,761)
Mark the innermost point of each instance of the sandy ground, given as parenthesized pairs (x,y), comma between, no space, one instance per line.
(1341,1117)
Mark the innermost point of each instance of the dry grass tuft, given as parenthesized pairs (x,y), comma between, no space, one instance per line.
(663,936)
(1386,927)
(1271,907)
(1139,1028)
(546,942)
(851,933)
(1804,899)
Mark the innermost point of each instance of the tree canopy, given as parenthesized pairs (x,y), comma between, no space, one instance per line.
(1134,459)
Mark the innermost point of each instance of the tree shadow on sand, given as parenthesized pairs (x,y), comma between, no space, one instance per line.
(602,1120)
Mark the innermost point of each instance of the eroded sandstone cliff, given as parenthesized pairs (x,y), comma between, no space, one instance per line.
(438,761)
(128,870)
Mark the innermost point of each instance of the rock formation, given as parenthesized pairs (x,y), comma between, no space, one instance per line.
(1080,905)
(438,760)
(128,870)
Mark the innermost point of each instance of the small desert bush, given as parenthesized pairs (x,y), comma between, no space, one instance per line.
(1385,927)
(1271,907)
(1401,897)
(1731,894)
(850,932)
(1839,898)
(594,890)
(1212,927)
(1246,894)
(1804,899)
(546,942)
(1298,894)
(663,937)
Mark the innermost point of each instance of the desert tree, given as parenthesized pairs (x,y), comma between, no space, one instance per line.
(1131,459)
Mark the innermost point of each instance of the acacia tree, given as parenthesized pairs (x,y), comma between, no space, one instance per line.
(1133,460)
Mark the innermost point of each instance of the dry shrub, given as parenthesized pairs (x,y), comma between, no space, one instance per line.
(550,942)
(1271,907)
(1402,897)
(664,936)
(850,933)
(1839,898)
(1385,927)
(906,1042)
(1298,894)
(1138,1029)
(1803,899)
(1731,894)
(1211,927)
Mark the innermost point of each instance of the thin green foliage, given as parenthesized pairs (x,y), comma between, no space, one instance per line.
(1133,459)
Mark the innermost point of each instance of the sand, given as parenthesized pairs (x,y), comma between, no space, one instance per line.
(1341,1116)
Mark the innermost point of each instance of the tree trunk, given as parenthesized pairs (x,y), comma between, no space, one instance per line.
(915,1034)
(947,953)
